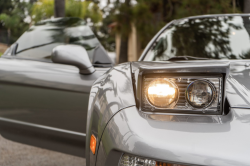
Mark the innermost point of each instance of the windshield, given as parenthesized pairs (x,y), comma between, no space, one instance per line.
(224,37)
(39,41)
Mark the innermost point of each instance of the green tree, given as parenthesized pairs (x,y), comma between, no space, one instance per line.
(5,6)
(147,15)
(150,16)
(187,8)
(44,9)
(124,20)
(13,19)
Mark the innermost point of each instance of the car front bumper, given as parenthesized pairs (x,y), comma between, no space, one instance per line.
(191,140)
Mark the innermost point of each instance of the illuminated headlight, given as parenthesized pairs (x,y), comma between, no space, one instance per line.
(162,93)
(181,94)
(128,160)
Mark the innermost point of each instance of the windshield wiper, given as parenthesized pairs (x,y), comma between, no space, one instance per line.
(181,58)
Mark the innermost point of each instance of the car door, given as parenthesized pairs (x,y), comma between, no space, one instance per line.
(45,104)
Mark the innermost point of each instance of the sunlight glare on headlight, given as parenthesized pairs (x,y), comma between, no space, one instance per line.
(161,90)
(162,93)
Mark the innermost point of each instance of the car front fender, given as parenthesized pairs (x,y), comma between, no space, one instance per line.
(110,93)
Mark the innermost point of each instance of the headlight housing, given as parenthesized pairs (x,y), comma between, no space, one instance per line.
(185,87)
(181,93)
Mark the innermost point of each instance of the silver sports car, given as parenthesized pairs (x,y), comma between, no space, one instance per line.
(185,102)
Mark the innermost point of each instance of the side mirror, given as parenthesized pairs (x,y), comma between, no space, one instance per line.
(73,55)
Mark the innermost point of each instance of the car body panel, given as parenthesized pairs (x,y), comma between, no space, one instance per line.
(41,102)
(206,140)
(31,92)
(110,93)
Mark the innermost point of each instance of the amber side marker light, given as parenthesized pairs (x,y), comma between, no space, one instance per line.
(92,143)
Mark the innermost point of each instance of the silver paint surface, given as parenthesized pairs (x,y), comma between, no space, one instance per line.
(189,139)
(110,93)
(48,94)
(207,140)
(73,55)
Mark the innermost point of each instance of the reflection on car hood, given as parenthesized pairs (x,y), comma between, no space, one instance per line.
(237,85)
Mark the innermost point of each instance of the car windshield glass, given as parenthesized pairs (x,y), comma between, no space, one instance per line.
(224,37)
(39,41)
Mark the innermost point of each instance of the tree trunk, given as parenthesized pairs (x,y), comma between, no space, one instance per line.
(9,36)
(123,56)
(59,8)
(234,5)
(164,9)
(32,1)
(246,6)
(123,49)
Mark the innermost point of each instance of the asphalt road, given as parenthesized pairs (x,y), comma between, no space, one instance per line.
(16,154)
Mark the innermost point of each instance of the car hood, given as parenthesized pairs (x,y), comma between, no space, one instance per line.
(237,84)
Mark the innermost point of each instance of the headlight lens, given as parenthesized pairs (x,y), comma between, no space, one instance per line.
(162,93)
(200,93)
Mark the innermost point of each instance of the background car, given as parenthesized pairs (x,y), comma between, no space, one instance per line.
(44,95)
(186,102)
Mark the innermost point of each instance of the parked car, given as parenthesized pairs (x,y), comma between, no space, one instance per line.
(185,102)
(44,95)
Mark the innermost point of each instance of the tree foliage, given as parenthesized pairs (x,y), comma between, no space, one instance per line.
(44,9)
(150,16)
(187,8)
(13,16)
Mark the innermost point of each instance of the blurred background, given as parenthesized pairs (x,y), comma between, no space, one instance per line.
(124,27)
